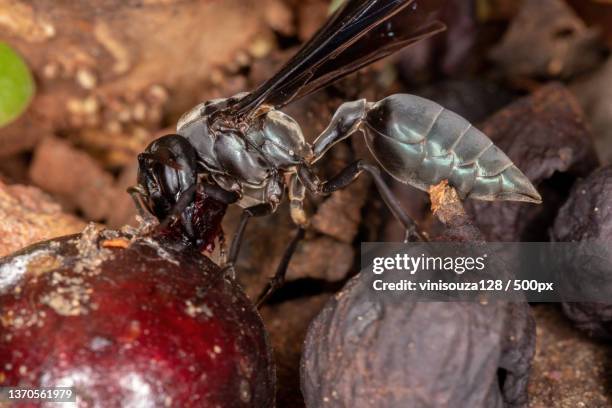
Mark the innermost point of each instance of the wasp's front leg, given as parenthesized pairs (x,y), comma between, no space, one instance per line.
(255,211)
(138,195)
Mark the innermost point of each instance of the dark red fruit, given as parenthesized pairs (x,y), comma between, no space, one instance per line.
(131,323)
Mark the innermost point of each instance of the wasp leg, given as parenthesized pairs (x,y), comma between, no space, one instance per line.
(297,193)
(271,199)
(219,194)
(137,193)
(264,209)
(393,204)
(347,176)
(255,211)
(278,279)
(177,209)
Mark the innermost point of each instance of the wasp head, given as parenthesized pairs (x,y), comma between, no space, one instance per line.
(168,189)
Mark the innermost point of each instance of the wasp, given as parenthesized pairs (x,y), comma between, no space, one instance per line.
(244,150)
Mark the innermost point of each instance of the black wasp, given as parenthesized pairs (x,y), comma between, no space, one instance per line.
(244,150)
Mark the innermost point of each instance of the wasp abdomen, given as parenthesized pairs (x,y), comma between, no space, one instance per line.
(420,143)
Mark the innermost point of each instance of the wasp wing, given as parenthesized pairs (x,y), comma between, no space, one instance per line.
(359,33)
(381,42)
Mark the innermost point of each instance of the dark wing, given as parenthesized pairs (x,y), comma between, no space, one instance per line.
(359,33)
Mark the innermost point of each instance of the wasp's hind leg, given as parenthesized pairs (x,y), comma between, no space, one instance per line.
(411,228)
(347,176)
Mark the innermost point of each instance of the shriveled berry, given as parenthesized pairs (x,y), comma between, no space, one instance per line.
(372,350)
(586,219)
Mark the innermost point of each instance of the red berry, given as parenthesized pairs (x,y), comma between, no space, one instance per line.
(132,324)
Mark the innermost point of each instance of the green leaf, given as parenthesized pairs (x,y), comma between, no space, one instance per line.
(16,85)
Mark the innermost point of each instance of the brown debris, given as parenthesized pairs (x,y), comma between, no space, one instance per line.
(287,324)
(22,135)
(547,39)
(115,243)
(595,94)
(279,16)
(569,370)
(597,14)
(20,19)
(123,210)
(311,15)
(445,202)
(113,50)
(339,216)
(74,177)
(448,209)
(320,258)
(28,216)
(265,240)
(492,10)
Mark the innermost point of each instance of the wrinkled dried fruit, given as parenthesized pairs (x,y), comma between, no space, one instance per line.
(374,350)
(474,99)
(130,325)
(587,217)
(545,135)
(547,39)
(597,14)
(595,93)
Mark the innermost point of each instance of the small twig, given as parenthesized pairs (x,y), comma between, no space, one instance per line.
(448,208)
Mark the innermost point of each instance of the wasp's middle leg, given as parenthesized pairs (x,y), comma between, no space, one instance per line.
(347,176)
(300,218)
